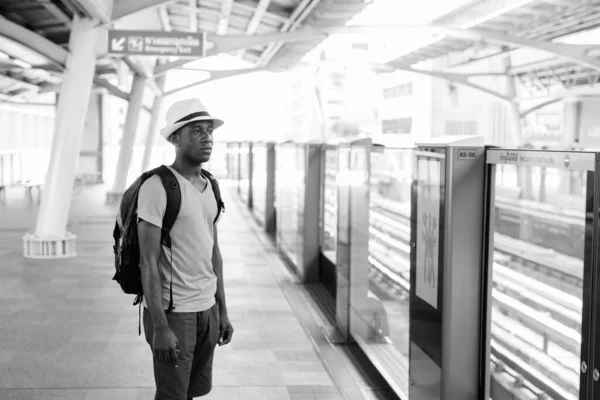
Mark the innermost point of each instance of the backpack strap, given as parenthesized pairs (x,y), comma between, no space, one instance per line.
(217,192)
(173,191)
(171,184)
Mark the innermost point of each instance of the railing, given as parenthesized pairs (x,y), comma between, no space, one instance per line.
(23,165)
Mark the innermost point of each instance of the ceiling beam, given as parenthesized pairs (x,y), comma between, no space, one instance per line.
(53,52)
(124,8)
(112,89)
(193,16)
(49,87)
(165,21)
(300,13)
(215,75)
(259,13)
(10,100)
(563,3)
(136,65)
(18,82)
(515,19)
(57,13)
(573,52)
(498,25)
(229,43)
(223,23)
(578,54)
(541,101)
(96,10)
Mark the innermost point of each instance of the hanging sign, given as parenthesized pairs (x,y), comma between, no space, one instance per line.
(157,43)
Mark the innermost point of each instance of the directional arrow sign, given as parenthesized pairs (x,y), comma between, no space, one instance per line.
(157,43)
(117,44)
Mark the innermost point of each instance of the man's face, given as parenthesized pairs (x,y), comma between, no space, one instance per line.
(196,140)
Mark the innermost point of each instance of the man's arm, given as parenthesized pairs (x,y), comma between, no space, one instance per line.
(217,262)
(226,329)
(164,339)
(150,248)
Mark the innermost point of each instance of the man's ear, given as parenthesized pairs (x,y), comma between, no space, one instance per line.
(175,138)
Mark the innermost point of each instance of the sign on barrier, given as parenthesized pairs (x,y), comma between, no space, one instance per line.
(428,229)
(550,159)
(157,43)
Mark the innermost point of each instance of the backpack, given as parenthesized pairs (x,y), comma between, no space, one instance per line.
(126,247)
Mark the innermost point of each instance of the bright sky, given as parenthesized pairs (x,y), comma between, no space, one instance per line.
(386,44)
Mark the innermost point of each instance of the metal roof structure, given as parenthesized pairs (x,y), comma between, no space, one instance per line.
(540,21)
(25,73)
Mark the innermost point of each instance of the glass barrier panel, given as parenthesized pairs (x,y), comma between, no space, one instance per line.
(244,171)
(290,200)
(330,206)
(217,165)
(233,161)
(537,278)
(298,198)
(384,335)
(259,181)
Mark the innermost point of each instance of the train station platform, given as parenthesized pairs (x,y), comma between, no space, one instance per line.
(68,332)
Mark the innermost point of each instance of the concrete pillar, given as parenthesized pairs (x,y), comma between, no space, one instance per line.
(570,128)
(154,124)
(128,140)
(123,75)
(51,239)
(571,122)
(514,114)
(101,131)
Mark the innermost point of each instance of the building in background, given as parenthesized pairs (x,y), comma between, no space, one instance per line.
(334,94)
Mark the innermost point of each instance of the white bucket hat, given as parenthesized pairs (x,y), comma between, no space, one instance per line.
(185,111)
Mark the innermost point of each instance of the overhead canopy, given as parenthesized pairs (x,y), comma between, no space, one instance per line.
(24,72)
(540,20)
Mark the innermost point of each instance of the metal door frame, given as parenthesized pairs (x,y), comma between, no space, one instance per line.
(590,275)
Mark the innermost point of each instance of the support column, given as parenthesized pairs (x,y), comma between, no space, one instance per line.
(514,114)
(571,122)
(154,124)
(51,239)
(101,128)
(126,151)
(570,128)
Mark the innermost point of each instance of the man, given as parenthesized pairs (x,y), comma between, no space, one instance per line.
(183,340)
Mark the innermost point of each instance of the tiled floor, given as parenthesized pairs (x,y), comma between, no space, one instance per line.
(68,332)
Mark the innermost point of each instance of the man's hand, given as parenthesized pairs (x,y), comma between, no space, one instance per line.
(225,330)
(165,345)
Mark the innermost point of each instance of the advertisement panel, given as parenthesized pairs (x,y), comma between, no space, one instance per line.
(428,229)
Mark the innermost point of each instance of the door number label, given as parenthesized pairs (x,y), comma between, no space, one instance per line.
(467,154)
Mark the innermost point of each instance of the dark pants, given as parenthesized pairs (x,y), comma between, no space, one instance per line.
(198,333)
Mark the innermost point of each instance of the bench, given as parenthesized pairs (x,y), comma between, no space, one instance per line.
(29,185)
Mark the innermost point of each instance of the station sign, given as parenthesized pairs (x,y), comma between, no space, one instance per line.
(157,43)
(548,159)
(467,154)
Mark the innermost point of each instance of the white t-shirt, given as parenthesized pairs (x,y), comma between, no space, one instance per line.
(194,280)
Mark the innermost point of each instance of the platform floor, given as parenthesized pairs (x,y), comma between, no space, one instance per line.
(68,332)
